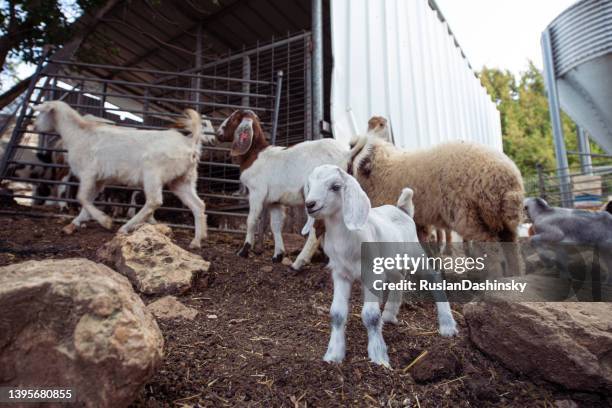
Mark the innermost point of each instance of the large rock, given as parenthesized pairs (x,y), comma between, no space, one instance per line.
(78,324)
(152,262)
(566,343)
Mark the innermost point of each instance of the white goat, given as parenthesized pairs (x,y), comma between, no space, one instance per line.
(275,176)
(99,153)
(335,197)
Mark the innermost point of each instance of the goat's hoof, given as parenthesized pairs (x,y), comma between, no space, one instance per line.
(382,362)
(448,330)
(278,258)
(389,318)
(195,244)
(107,223)
(333,357)
(123,230)
(69,229)
(244,251)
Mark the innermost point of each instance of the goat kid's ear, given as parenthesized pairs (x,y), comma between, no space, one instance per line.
(308,226)
(355,204)
(243,137)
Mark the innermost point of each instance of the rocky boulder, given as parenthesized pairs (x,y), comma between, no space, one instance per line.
(75,324)
(565,343)
(152,262)
(169,307)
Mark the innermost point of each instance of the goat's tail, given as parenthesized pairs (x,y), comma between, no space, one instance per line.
(404,202)
(193,123)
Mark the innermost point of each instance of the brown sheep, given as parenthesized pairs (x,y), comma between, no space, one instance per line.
(466,187)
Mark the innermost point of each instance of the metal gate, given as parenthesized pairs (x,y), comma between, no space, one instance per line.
(142,99)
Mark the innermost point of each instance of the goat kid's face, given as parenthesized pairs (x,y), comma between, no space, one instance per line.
(45,121)
(238,128)
(329,191)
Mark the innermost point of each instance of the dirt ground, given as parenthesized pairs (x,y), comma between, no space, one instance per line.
(262,331)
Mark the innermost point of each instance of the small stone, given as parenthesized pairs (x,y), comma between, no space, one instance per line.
(267,269)
(169,307)
(286,261)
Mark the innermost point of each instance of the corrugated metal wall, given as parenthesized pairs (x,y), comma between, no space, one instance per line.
(396,58)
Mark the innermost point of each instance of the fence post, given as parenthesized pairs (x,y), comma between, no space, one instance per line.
(246,75)
(541,182)
(317,67)
(584,151)
(279,88)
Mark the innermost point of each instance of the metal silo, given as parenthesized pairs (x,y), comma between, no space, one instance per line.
(577,51)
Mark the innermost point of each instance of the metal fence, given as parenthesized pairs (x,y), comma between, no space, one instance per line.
(587,189)
(146,100)
(292,56)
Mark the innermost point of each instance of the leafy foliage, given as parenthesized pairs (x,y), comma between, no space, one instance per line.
(525,119)
(27,25)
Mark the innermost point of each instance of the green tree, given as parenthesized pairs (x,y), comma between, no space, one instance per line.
(525,119)
(27,25)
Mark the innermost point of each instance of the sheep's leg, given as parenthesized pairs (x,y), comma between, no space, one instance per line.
(394,301)
(277,219)
(187,194)
(448,245)
(154,199)
(338,313)
(377,349)
(306,254)
(88,189)
(255,208)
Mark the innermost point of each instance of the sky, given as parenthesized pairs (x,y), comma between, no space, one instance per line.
(501,33)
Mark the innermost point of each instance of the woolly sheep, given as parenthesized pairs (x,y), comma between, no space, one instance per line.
(465,187)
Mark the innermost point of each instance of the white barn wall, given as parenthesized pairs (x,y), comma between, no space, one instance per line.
(395,58)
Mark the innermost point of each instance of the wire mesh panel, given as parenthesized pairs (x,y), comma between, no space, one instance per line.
(149,100)
(587,189)
(260,64)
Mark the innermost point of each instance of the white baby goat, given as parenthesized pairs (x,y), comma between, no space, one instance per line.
(99,153)
(335,197)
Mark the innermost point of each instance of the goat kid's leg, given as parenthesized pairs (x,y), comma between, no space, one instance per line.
(377,349)
(255,209)
(306,254)
(153,192)
(338,313)
(446,322)
(188,196)
(394,301)
(88,190)
(277,220)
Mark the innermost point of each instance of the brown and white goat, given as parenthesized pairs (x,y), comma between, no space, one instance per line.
(275,176)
